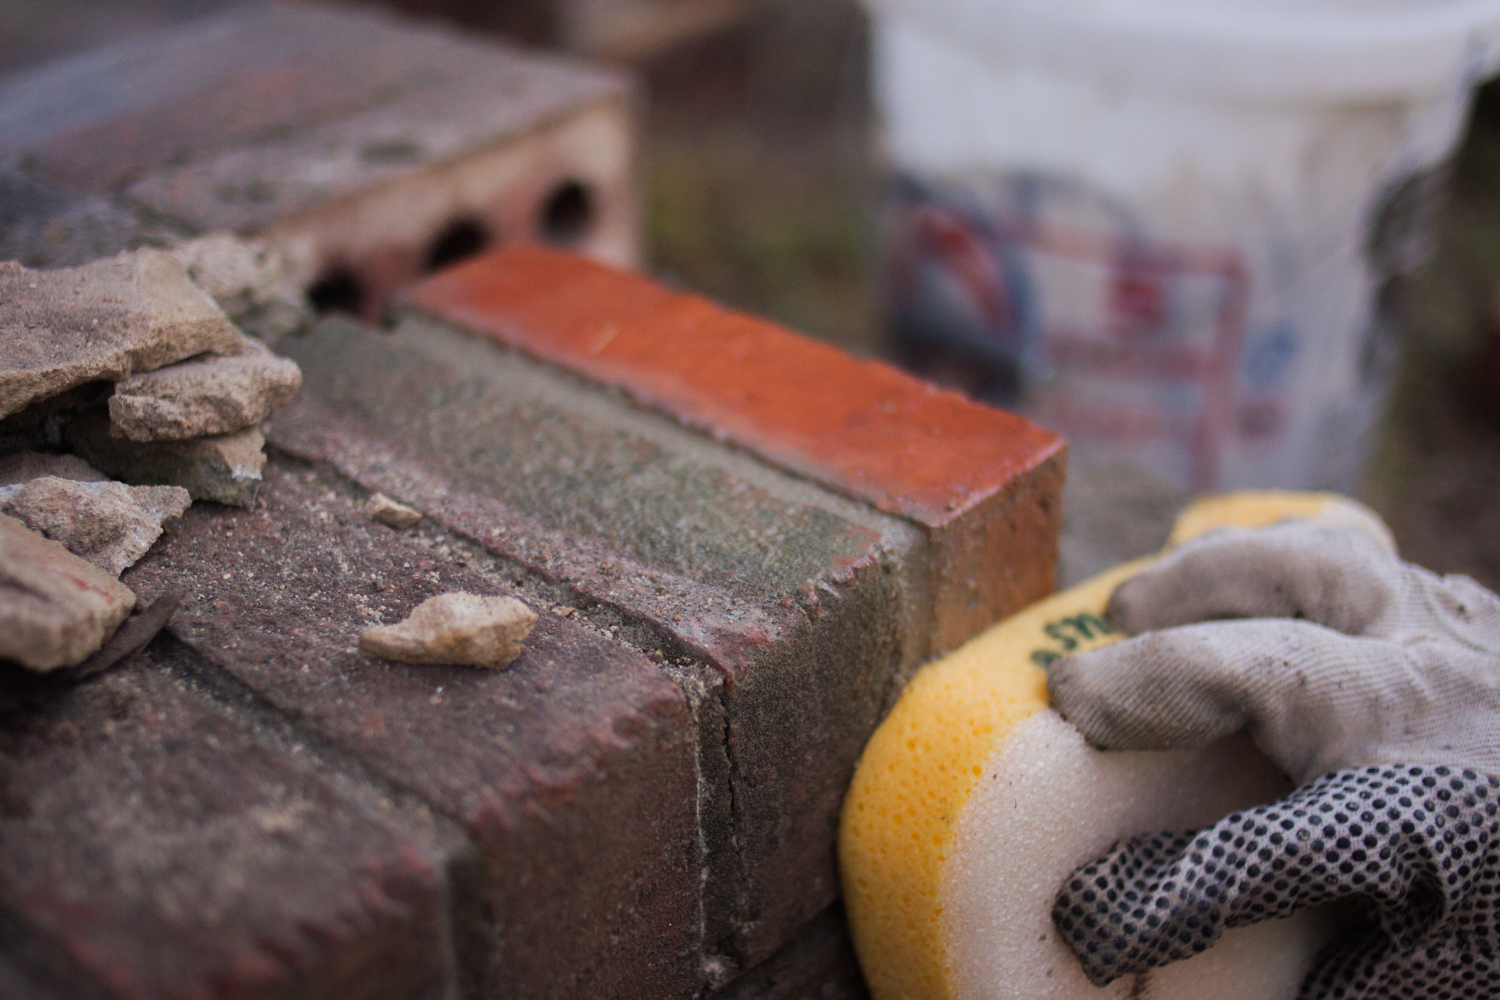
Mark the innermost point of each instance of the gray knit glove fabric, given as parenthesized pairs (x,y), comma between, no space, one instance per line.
(1376,686)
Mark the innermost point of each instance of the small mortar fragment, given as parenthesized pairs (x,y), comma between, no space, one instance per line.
(390,513)
(206,396)
(55,609)
(225,468)
(108,524)
(455,628)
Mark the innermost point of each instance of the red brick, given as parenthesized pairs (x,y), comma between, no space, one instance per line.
(984,484)
(806,607)
(572,770)
(158,841)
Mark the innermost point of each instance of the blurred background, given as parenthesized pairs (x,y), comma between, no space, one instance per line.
(770,182)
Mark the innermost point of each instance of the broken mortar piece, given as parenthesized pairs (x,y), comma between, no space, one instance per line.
(455,628)
(104,321)
(225,468)
(390,513)
(108,524)
(55,609)
(205,396)
(250,281)
(24,466)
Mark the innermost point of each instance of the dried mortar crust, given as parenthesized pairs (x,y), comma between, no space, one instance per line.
(204,396)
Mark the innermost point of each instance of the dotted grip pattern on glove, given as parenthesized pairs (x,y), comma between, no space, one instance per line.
(1375,683)
(1415,845)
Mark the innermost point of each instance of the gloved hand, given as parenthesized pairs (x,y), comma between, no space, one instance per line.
(1375,685)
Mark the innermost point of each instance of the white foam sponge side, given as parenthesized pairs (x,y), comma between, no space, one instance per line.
(1047,803)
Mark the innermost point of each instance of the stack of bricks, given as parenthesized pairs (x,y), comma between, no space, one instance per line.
(739,543)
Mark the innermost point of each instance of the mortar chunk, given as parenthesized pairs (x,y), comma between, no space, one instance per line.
(250,281)
(455,628)
(390,513)
(108,524)
(225,468)
(103,321)
(24,466)
(55,609)
(205,396)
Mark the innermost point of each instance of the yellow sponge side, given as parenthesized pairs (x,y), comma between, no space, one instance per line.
(918,771)
(920,767)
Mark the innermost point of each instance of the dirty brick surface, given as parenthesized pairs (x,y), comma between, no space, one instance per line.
(644,802)
(572,770)
(156,841)
(982,485)
(805,606)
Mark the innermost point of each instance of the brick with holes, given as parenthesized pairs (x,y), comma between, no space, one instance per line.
(369,150)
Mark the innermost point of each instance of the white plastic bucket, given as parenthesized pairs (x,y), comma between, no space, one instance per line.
(1146,219)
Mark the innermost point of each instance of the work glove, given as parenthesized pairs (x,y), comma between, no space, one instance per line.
(1375,685)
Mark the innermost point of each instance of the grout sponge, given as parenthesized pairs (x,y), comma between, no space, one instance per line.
(974,799)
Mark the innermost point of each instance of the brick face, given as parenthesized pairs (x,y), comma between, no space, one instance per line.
(350,141)
(732,580)
(798,601)
(155,841)
(572,770)
(861,428)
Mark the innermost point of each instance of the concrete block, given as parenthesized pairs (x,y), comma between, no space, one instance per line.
(157,840)
(366,149)
(572,770)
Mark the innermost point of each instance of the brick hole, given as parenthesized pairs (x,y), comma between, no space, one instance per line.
(459,240)
(338,290)
(568,214)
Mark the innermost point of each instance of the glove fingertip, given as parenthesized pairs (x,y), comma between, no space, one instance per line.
(1128,607)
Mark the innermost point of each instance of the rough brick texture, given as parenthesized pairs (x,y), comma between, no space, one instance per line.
(156,842)
(572,770)
(800,603)
(981,483)
(733,576)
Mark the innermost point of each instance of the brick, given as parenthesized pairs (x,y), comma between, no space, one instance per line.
(810,606)
(818,961)
(621,31)
(572,770)
(348,140)
(803,604)
(157,840)
(983,485)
